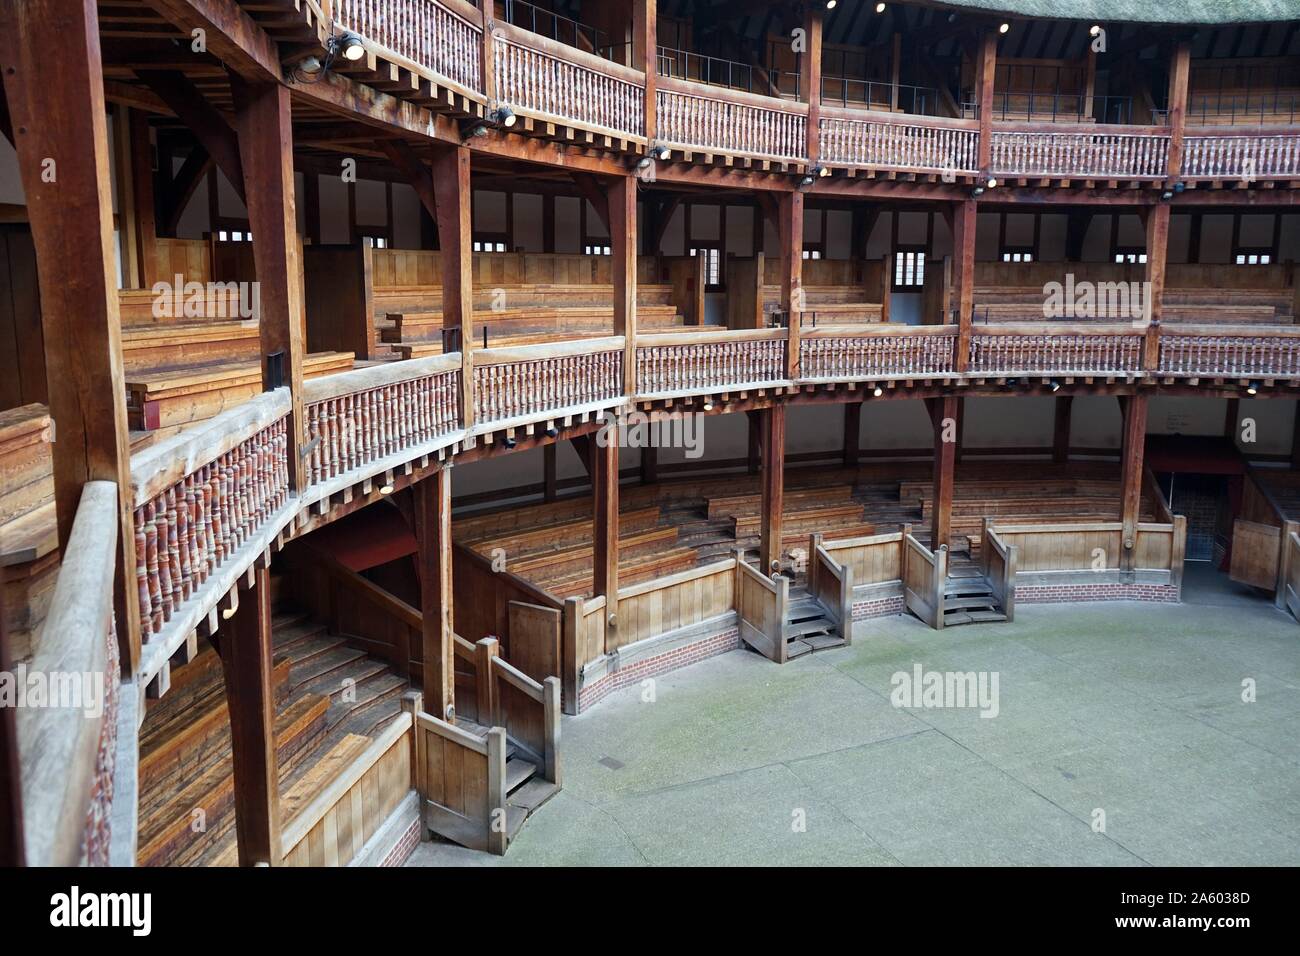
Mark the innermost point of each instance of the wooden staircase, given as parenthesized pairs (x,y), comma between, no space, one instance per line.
(526,787)
(808,626)
(968,597)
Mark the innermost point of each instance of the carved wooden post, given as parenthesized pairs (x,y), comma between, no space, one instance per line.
(60,133)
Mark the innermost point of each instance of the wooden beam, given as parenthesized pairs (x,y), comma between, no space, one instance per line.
(986,63)
(604,496)
(208,125)
(142,179)
(790,220)
(60,127)
(230,33)
(1061,434)
(810,78)
(754,456)
(662,217)
(965,215)
(1157,243)
(852,433)
(621,211)
(1134,409)
(593,192)
(413,171)
(645,57)
(943,415)
(244,643)
(487,58)
(1179,70)
(451,190)
(433,538)
(772,429)
(129,246)
(550,483)
(265,126)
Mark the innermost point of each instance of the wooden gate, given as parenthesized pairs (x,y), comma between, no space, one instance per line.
(1254,554)
(535,639)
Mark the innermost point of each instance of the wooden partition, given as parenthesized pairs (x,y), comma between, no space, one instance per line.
(745,292)
(688,278)
(831,584)
(998,562)
(924,575)
(1091,552)
(337,286)
(1260,555)
(672,603)
(873,560)
(461,778)
(762,603)
(484,598)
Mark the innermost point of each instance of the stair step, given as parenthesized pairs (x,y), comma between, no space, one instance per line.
(518,772)
(817,625)
(950,604)
(957,618)
(797,649)
(821,642)
(966,590)
(533,794)
(515,817)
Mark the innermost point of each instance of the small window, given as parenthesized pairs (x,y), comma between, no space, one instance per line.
(378,242)
(812,254)
(1018,255)
(712,263)
(489,243)
(1130,257)
(596,249)
(909,268)
(1253,257)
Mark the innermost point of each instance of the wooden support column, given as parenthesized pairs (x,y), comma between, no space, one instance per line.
(645,57)
(1134,409)
(790,228)
(146,217)
(451,190)
(126,207)
(986,63)
(772,442)
(60,134)
(620,202)
(810,78)
(265,126)
(244,643)
(964,218)
(754,457)
(604,495)
(1061,435)
(1179,71)
(649,465)
(1231,415)
(1157,229)
(549,482)
(943,416)
(852,431)
(433,517)
(487,65)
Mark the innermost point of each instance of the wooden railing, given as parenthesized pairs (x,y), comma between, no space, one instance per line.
(761,606)
(1258,154)
(514,385)
(832,585)
(202,496)
(558,83)
(690,362)
(700,118)
(357,418)
(1121,152)
(872,560)
(877,352)
(1042,348)
(911,143)
(1095,550)
(425,33)
(671,603)
(59,745)
(924,573)
(998,562)
(1193,351)
(530,713)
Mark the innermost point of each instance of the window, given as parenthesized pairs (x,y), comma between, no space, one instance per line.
(489,245)
(909,268)
(596,249)
(1018,254)
(227,235)
(712,263)
(813,253)
(1253,257)
(1130,256)
(378,242)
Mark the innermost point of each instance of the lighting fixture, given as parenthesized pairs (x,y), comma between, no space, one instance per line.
(1179,187)
(473,130)
(830,4)
(662,153)
(877,391)
(551,431)
(310,66)
(1167,195)
(1004,28)
(807,181)
(821,171)
(386,490)
(1053,385)
(708,405)
(880,8)
(977,192)
(510,441)
(350,46)
(504,116)
(1252,388)
(991,183)
(1094,29)
(644,162)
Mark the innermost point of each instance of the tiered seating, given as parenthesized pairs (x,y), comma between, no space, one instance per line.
(1243,92)
(999,304)
(29,558)
(831,305)
(185,760)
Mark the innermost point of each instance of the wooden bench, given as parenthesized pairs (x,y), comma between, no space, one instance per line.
(178,396)
(656,564)
(157,347)
(1196,306)
(29,544)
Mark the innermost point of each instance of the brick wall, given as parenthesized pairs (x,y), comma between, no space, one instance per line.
(405,846)
(1074,593)
(706,647)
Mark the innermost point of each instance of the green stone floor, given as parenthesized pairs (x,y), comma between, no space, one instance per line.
(1133,709)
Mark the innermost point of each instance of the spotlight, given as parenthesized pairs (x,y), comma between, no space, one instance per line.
(708,404)
(1012,382)
(821,171)
(830,4)
(1167,195)
(1252,388)
(504,116)
(551,431)
(1004,28)
(662,153)
(350,45)
(977,192)
(473,130)
(386,490)
(877,391)
(644,162)
(992,183)
(1179,186)
(880,8)
(1053,385)
(1094,29)
(807,181)
(510,441)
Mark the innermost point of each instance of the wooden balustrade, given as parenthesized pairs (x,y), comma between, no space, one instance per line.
(59,745)
(1194,351)
(700,118)
(1093,151)
(560,83)
(924,573)
(690,362)
(202,495)
(912,143)
(359,417)
(461,778)
(762,603)
(537,381)
(879,352)
(1260,154)
(1032,348)
(425,33)
(530,713)
(998,561)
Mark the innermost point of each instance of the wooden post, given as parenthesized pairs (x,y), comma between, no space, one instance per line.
(265,127)
(1134,409)
(245,646)
(1179,70)
(485,685)
(1061,436)
(550,485)
(645,57)
(126,205)
(433,538)
(487,66)
(810,78)
(852,431)
(604,552)
(754,456)
(943,415)
(790,225)
(964,218)
(986,64)
(455,241)
(772,427)
(146,221)
(1157,227)
(620,199)
(60,134)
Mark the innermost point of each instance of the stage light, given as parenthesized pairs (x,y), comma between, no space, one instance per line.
(386,490)
(807,181)
(350,45)
(1252,388)
(880,8)
(1094,29)
(551,431)
(992,183)
(504,116)
(1004,28)
(663,153)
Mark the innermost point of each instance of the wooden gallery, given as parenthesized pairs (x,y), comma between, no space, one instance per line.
(386,381)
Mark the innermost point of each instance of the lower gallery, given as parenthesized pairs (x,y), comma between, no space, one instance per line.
(439,433)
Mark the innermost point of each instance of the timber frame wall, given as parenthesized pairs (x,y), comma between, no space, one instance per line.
(176,563)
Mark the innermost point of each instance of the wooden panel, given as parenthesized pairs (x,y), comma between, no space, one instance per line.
(680,600)
(535,639)
(1254,554)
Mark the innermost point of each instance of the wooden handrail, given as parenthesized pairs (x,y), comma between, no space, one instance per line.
(456,735)
(376,376)
(679,577)
(663,339)
(516,678)
(514,354)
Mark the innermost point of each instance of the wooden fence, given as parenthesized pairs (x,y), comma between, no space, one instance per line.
(924,573)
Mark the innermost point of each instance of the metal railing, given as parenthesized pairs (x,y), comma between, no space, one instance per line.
(527,16)
(732,74)
(877,95)
(1027,105)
